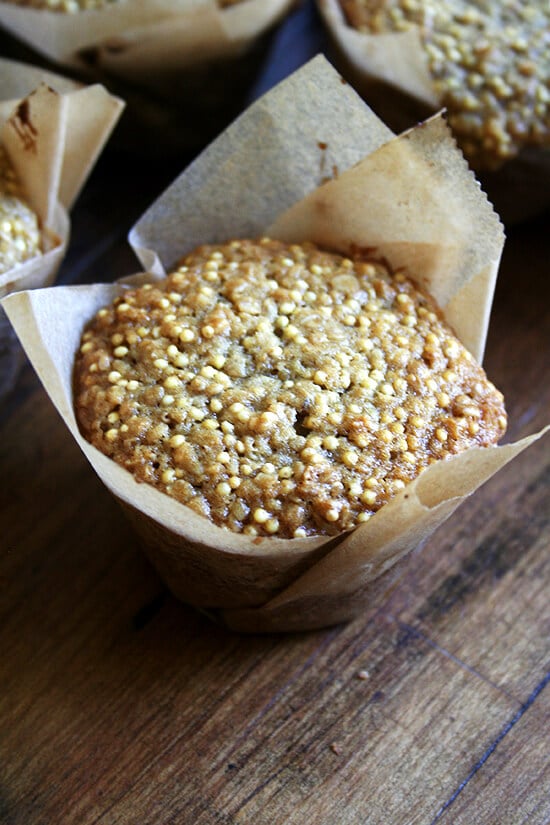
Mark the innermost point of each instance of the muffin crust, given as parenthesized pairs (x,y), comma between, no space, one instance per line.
(280,389)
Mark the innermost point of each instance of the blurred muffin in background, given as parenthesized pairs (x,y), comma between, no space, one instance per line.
(72,6)
(184,68)
(490,66)
(487,64)
(20,234)
(51,134)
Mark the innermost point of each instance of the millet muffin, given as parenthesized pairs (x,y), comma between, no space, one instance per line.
(20,235)
(280,390)
(490,65)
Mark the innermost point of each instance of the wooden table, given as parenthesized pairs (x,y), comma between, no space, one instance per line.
(120,705)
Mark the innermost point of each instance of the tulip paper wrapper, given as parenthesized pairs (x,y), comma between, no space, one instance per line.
(395,58)
(132,38)
(412,200)
(53,131)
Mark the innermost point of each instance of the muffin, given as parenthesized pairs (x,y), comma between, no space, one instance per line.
(280,389)
(184,69)
(51,133)
(73,6)
(489,65)
(409,200)
(20,234)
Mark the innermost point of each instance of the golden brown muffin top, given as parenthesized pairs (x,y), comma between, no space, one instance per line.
(20,236)
(280,389)
(490,64)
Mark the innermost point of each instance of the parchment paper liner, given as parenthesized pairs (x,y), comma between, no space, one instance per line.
(410,199)
(53,131)
(395,58)
(133,38)
(391,72)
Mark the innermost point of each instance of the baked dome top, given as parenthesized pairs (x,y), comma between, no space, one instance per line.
(280,389)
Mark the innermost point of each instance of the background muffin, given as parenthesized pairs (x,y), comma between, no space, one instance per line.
(51,134)
(20,235)
(183,68)
(73,6)
(489,64)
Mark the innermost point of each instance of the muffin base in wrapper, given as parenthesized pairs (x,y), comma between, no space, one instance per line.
(411,200)
(391,73)
(53,131)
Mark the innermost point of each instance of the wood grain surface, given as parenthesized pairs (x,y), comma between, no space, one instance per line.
(121,706)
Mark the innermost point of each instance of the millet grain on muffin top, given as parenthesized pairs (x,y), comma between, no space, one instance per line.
(489,62)
(279,389)
(20,235)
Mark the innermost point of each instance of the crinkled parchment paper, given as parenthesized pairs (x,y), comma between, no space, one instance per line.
(130,38)
(411,199)
(53,131)
(395,58)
